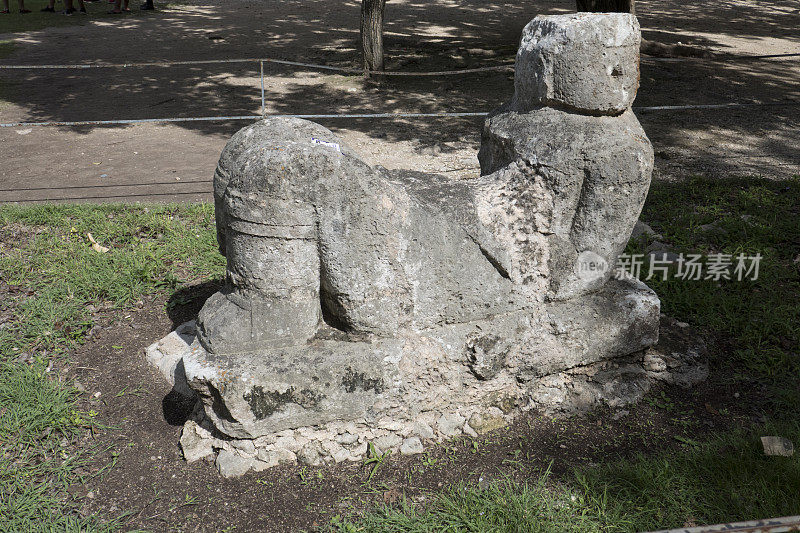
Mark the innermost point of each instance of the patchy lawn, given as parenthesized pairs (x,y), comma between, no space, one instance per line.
(88,433)
(53,283)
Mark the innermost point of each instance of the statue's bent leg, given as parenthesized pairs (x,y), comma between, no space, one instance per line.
(272,288)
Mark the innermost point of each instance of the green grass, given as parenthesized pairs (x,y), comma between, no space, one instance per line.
(755,325)
(35,466)
(56,274)
(727,479)
(502,506)
(753,328)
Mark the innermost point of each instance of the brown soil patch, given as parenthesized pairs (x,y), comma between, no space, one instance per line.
(151,481)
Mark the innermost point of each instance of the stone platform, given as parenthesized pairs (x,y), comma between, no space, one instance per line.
(326,400)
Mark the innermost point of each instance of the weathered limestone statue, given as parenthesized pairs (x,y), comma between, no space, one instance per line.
(400,307)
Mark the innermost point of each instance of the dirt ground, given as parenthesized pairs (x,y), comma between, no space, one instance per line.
(175,161)
(161,492)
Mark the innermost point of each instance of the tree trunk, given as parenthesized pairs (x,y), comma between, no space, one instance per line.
(607,6)
(372,33)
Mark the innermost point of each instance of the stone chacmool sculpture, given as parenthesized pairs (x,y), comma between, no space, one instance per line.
(396,307)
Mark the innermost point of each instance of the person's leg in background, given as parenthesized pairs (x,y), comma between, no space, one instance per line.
(21,4)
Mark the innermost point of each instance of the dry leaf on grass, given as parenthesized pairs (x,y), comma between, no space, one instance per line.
(96,247)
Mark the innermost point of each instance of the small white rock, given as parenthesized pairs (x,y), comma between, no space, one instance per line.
(450,424)
(230,464)
(469,431)
(266,440)
(347,438)
(387,442)
(289,443)
(310,454)
(620,414)
(653,363)
(283,455)
(423,430)
(359,451)
(196,442)
(341,455)
(260,466)
(411,446)
(780,446)
(331,447)
(390,424)
(244,445)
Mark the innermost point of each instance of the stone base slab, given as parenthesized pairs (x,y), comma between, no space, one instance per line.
(325,401)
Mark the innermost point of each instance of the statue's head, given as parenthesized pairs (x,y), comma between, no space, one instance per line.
(582,62)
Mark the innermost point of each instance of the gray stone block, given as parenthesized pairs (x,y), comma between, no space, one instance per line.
(411,446)
(450,424)
(584,62)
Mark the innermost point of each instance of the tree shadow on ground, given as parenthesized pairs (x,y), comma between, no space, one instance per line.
(453,36)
